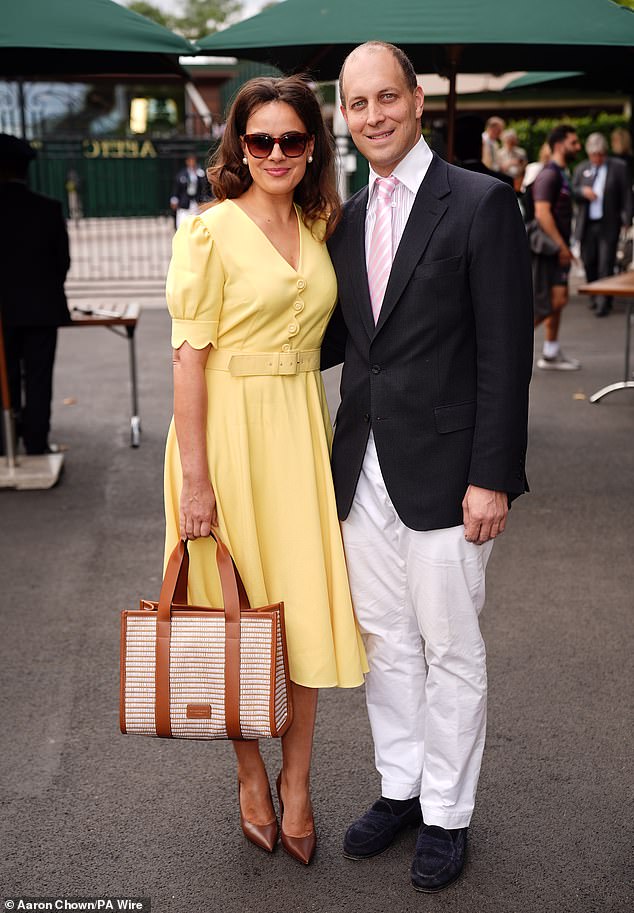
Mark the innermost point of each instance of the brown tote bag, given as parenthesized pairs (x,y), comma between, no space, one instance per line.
(193,672)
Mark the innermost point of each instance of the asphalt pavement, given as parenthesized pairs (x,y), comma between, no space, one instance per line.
(87,811)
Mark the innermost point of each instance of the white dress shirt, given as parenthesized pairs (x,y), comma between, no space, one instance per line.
(410,173)
(595,210)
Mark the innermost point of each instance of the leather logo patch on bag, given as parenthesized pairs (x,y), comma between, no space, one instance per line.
(199,711)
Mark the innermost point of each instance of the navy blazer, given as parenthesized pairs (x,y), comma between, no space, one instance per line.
(443,378)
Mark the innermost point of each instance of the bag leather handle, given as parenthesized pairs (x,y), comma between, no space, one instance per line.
(235,601)
(174,586)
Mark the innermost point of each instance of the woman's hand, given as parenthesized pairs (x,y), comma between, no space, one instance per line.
(197,509)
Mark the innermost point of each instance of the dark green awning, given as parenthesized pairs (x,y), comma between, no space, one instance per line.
(90,36)
(493,35)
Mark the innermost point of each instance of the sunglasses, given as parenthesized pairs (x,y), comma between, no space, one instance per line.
(260,145)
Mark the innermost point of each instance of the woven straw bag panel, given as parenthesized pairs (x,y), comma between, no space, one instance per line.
(140,661)
(281,692)
(197,666)
(256,637)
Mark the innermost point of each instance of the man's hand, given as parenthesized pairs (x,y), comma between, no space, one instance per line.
(589,194)
(565,256)
(484,514)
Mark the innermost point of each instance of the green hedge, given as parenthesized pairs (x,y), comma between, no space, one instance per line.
(532,134)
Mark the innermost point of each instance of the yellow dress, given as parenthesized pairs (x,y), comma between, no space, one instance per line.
(268,436)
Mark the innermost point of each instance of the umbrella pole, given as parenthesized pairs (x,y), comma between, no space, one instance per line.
(454,52)
(22,104)
(7,423)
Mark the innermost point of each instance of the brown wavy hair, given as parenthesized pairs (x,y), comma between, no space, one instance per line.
(317,191)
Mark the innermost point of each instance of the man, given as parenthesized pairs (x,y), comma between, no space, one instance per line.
(435,323)
(34,260)
(552,200)
(190,189)
(511,158)
(602,192)
(491,142)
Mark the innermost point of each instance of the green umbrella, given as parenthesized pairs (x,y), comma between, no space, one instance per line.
(67,37)
(442,36)
(478,35)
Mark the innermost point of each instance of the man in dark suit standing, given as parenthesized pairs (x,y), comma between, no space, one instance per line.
(34,260)
(434,326)
(604,198)
(189,190)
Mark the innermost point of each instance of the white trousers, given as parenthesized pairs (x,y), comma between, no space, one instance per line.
(417,597)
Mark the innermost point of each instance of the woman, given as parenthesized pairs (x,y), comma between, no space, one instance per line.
(248,450)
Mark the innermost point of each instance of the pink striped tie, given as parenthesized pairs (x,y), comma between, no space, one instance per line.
(380,254)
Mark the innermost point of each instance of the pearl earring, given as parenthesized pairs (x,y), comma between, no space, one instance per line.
(244,160)
(310,158)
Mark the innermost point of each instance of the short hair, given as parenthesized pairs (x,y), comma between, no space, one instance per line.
(558,134)
(621,141)
(596,142)
(406,65)
(495,122)
(509,134)
(229,177)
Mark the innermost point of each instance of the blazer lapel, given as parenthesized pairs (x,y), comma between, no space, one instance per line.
(427,211)
(356,258)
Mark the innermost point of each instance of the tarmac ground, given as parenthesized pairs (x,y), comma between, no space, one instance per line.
(89,812)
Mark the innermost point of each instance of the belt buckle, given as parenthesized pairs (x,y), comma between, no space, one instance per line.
(288,363)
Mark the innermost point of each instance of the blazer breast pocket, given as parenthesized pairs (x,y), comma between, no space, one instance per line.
(429,269)
(455,417)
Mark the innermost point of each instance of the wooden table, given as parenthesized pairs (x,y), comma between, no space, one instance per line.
(121,319)
(620,286)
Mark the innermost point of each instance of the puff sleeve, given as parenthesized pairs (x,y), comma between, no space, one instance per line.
(194,286)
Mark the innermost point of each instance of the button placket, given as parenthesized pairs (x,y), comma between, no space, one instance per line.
(298,306)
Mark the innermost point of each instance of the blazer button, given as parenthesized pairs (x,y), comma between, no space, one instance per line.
(376,369)
(366,417)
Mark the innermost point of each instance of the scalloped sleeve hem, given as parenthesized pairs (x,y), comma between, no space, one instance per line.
(198,333)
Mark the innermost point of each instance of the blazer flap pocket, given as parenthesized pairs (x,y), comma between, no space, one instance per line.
(455,417)
(431,268)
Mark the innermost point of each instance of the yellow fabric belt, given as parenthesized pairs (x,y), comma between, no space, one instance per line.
(239,364)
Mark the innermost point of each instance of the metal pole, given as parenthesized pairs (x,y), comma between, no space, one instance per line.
(7,420)
(22,106)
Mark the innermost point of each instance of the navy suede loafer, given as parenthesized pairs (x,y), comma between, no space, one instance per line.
(439,857)
(373,832)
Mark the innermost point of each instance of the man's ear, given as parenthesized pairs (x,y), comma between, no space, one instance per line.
(344,113)
(419,97)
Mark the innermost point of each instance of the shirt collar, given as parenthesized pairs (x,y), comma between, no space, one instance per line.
(410,171)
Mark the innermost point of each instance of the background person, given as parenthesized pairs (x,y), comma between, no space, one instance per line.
(189,190)
(491,142)
(34,261)
(511,158)
(552,199)
(603,195)
(250,289)
(621,143)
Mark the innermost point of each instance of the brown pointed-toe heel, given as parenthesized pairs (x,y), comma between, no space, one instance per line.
(262,835)
(300,848)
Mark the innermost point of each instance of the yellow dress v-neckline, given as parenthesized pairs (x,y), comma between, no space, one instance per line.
(268,240)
